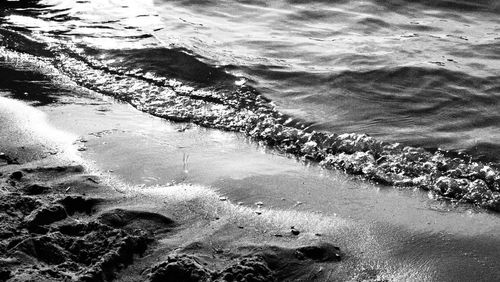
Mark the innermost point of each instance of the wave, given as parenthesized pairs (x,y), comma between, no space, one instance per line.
(459,5)
(456,5)
(491,6)
(422,106)
(417,105)
(244,111)
(178,84)
(176,62)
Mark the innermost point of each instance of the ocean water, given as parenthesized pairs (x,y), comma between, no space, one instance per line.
(424,73)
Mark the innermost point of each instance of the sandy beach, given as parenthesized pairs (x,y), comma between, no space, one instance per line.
(249,141)
(60,221)
(94,190)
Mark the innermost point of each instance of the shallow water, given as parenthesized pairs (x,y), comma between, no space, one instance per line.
(425,73)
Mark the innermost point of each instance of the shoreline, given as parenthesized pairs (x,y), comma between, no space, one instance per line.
(451,177)
(243,110)
(208,227)
(61,223)
(212,221)
(135,144)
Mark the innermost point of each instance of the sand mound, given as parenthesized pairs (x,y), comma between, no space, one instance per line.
(187,268)
(39,245)
(121,218)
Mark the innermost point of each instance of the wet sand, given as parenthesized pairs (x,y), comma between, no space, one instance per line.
(184,198)
(63,222)
(401,230)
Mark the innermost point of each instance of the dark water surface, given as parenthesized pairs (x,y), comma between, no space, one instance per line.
(425,73)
